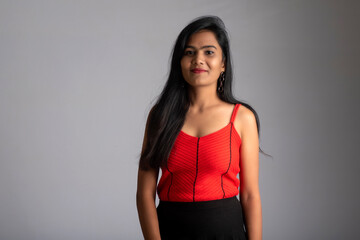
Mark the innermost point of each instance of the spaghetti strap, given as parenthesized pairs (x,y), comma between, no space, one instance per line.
(233,115)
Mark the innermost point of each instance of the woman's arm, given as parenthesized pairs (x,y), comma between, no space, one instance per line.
(145,202)
(145,198)
(249,175)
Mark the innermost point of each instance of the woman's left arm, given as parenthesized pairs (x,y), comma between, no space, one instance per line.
(249,175)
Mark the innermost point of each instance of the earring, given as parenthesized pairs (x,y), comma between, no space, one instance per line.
(221,80)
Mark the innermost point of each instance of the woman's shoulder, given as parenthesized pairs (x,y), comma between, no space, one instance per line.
(245,114)
(244,119)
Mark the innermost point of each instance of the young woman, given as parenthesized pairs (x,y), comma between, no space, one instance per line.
(202,138)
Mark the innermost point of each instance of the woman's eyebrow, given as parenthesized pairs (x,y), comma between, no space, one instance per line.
(206,46)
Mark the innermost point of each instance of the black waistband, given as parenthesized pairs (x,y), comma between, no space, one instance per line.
(201,204)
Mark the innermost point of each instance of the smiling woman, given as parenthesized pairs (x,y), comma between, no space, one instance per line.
(203,61)
(201,138)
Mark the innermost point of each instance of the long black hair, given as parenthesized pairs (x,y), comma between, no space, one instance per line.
(167,116)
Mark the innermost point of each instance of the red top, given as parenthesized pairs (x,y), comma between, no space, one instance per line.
(202,168)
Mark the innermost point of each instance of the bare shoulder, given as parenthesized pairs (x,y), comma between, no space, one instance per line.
(244,120)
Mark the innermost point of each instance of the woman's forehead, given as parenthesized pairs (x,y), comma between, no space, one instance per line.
(203,37)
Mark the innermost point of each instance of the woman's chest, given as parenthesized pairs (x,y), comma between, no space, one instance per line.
(213,153)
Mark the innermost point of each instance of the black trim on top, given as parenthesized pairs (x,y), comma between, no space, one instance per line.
(222,187)
(197,160)
(168,196)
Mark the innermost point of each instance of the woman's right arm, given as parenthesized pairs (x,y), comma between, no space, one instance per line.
(145,202)
(145,199)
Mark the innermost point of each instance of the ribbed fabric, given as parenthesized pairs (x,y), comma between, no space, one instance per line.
(202,168)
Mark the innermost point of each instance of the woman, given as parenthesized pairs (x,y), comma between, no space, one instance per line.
(201,137)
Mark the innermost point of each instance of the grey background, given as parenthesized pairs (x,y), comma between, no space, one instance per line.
(77,79)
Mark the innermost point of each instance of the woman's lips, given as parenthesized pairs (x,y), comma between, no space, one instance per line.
(198,70)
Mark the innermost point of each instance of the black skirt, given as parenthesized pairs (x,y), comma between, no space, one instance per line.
(207,220)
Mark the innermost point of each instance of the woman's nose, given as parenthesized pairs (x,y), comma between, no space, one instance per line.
(198,59)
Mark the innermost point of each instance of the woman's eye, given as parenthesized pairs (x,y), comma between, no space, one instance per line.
(188,52)
(209,52)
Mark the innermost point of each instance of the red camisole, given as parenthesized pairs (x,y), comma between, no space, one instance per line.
(202,168)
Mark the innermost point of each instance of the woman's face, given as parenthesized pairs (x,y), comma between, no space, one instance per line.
(202,62)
